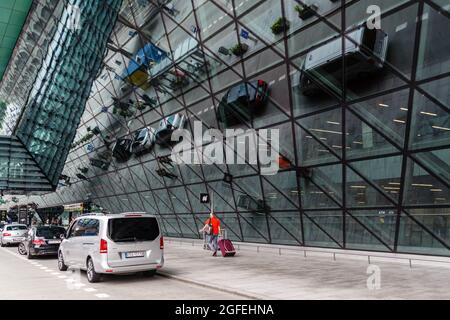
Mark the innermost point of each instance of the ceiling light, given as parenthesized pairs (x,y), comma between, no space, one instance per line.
(326,131)
(429,113)
(441,128)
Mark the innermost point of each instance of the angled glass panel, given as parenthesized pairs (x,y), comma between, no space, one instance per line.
(323,229)
(371,230)
(413,238)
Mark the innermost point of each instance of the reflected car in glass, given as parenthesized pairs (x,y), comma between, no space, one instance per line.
(242,101)
(365,54)
(121,150)
(42,241)
(143,141)
(113,244)
(167,126)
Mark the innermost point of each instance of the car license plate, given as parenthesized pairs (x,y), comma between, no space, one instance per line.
(138,254)
(17,239)
(54,241)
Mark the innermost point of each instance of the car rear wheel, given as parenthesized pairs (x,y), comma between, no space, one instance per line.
(61,265)
(21,249)
(92,276)
(3,244)
(29,255)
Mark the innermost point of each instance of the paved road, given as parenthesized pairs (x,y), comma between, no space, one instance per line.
(40,279)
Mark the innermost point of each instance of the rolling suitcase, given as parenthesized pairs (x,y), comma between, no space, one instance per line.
(226,247)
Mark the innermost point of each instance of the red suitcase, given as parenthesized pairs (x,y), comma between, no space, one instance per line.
(227,248)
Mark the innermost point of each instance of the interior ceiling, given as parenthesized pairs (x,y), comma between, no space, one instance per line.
(13,14)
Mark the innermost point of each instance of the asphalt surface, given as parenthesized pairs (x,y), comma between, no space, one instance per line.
(39,279)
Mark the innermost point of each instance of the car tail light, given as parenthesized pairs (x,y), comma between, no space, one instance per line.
(161,243)
(103,246)
(133,215)
(6,234)
(38,241)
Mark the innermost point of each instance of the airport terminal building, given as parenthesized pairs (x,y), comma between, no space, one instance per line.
(357,91)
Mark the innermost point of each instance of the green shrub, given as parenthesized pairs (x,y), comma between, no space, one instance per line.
(239,49)
(280,25)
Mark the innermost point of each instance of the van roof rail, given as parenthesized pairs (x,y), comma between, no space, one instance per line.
(92,214)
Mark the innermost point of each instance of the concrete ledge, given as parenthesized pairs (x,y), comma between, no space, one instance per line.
(369,256)
(201,284)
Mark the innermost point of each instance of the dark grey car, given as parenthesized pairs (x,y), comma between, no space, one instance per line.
(42,241)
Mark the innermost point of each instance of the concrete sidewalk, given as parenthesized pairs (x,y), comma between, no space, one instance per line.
(271,276)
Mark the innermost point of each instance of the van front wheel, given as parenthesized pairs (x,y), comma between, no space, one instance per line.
(92,276)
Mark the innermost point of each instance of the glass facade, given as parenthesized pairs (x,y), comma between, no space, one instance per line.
(362,110)
(50,107)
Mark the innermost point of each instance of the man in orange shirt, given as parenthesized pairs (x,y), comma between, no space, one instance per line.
(214,222)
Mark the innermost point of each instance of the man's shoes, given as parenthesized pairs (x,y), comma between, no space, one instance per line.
(214,254)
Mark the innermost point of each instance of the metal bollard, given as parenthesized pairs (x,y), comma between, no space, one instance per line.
(368,259)
(279,251)
(334,256)
(410,263)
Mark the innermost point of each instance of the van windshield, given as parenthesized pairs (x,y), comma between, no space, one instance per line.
(133,229)
(369,41)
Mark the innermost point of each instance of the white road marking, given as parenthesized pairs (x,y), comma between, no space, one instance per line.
(62,277)
(55,273)
(271,83)
(282,77)
(205,110)
(48,270)
(102,295)
(220,18)
(79,285)
(90,289)
(401,27)
(293,72)
(43,268)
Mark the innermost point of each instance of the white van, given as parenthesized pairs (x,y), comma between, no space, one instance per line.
(112,244)
(365,53)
